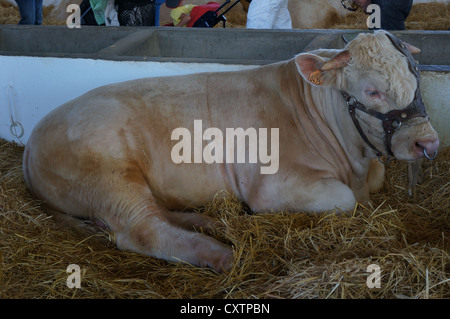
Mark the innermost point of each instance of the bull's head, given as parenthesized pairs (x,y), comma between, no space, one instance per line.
(380,85)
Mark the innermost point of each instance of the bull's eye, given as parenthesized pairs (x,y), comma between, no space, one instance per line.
(373,93)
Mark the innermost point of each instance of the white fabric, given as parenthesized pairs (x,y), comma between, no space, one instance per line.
(269,14)
(111,17)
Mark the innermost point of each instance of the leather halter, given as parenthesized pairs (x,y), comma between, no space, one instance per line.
(391,120)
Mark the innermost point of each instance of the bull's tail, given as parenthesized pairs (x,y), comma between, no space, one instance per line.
(25,167)
(92,231)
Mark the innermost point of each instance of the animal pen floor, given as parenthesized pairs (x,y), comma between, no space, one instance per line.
(278,255)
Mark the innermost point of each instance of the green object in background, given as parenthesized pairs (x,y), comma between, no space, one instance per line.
(98,7)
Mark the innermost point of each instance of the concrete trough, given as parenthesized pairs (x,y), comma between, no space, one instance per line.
(45,66)
(56,41)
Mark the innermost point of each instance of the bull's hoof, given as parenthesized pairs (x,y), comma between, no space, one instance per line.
(223,261)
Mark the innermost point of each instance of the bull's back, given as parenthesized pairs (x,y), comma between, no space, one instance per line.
(125,126)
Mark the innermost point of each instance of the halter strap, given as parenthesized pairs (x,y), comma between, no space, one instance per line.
(391,120)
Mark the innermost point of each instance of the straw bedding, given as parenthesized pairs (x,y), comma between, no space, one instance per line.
(279,255)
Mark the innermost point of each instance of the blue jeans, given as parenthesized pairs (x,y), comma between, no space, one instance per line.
(30,11)
(394,13)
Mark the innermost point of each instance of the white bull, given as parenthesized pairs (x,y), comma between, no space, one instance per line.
(108,155)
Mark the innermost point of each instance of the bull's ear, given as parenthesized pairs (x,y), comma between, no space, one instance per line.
(339,61)
(313,68)
(309,66)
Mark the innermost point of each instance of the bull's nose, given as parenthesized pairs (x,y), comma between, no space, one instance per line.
(426,147)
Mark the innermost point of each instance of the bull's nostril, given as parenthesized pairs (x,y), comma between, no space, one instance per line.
(427,147)
(420,147)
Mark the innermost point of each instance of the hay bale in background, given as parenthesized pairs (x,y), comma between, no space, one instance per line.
(278,255)
(8,14)
(423,16)
(429,16)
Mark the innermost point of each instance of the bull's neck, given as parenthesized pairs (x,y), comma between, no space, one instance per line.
(326,106)
(332,105)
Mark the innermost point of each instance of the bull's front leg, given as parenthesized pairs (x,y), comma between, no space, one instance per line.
(152,230)
(318,196)
(156,235)
(328,194)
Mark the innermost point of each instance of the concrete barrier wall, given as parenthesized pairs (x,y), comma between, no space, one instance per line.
(217,45)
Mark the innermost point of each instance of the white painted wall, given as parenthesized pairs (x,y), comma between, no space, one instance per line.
(435,89)
(30,87)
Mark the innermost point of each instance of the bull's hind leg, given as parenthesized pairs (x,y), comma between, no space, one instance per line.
(142,226)
(155,236)
(191,221)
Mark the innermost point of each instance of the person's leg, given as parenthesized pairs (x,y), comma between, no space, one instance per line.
(397,14)
(27,12)
(393,13)
(38,11)
(283,17)
(262,14)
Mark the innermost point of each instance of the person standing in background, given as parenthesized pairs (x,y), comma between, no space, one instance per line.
(269,14)
(393,13)
(30,11)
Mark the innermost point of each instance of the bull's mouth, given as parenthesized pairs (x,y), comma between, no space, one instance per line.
(422,148)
